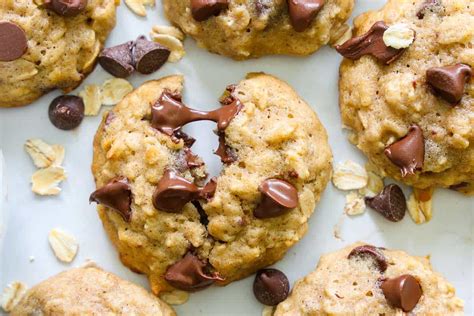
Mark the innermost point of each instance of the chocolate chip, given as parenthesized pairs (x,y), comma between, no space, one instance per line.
(189,274)
(208,191)
(117,194)
(226,153)
(117,60)
(391,203)
(278,197)
(271,286)
(368,251)
(149,56)
(67,8)
(173,192)
(449,81)
(371,43)
(408,153)
(402,292)
(204,9)
(66,112)
(302,12)
(192,160)
(13,41)
(188,140)
(428,5)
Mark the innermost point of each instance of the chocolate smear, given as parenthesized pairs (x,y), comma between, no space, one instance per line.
(278,197)
(117,194)
(68,8)
(149,56)
(449,81)
(204,9)
(390,203)
(226,153)
(192,160)
(371,43)
(408,153)
(303,12)
(117,60)
(207,192)
(190,274)
(402,292)
(13,41)
(271,286)
(371,252)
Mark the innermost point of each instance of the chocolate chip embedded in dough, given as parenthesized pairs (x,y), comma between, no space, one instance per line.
(368,251)
(278,197)
(303,12)
(117,194)
(204,9)
(68,8)
(173,192)
(449,81)
(13,41)
(402,292)
(391,203)
(271,286)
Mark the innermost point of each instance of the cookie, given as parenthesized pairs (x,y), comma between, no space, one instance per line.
(49,44)
(183,231)
(254,28)
(89,290)
(406,93)
(366,280)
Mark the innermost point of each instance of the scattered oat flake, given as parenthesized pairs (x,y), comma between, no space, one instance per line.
(63,244)
(399,36)
(268,310)
(172,43)
(420,205)
(43,154)
(138,6)
(45,181)
(114,90)
(355,204)
(169,30)
(175,297)
(374,185)
(349,176)
(12,294)
(92,100)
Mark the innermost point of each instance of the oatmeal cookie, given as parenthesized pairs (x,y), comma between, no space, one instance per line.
(51,46)
(365,280)
(184,231)
(244,29)
(410,108)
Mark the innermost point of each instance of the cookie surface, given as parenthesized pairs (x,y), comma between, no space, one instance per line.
(254,28)
(89,290)
(351,284)
(381,104)
(275,135)
(61,50)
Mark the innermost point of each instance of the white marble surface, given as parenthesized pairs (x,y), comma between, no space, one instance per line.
(447,238)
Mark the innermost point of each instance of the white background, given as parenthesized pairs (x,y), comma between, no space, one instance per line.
(29,218)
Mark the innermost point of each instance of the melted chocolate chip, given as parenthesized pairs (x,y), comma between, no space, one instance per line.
(208,191)
(408,153)
(303,12)
(192,160)
(117,60)
(428,5)
(173,192)
(169,114)
(117,194)
(66,112)
(226,153)
(449,81)
(391,203)
(271,286)
(189,274)
(149,56)
(371,43)
(13,41)
(67,8)
(371,252)
(204,9)
(402,292)
(278,197)
(188,140)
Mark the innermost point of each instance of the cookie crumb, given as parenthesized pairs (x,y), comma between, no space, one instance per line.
(268,311)
(176,297)
(64,245)
(12,294)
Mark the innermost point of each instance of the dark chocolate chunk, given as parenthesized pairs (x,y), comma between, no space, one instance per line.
(117,60)
(449,81)
(271,286)
(278,197)
(67,8)
(391,203)
(368,251)
(428,5)
(402,292)
(408,153)
(302,12)
(66,112)
(188,140)
(190,274)
(117,194)
(149,56)
(204,9)
(226,153)
(371,43)
(173,192)
(13,41)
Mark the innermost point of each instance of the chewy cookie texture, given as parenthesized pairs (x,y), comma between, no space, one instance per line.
(254,28)
(89,290)
(49,44)
(410,108)
(184,231)
(365,280)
